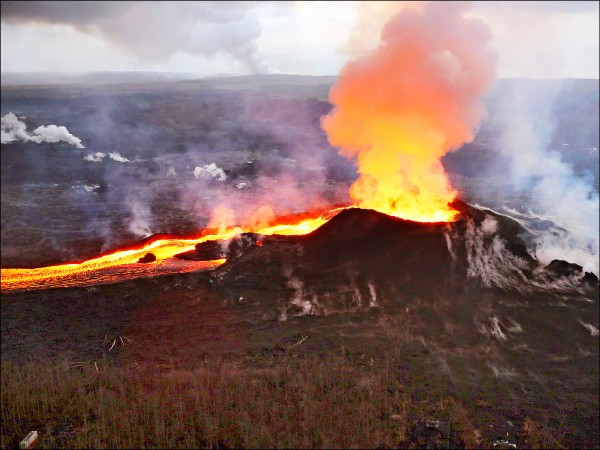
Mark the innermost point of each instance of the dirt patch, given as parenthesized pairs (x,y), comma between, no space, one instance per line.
(186,328)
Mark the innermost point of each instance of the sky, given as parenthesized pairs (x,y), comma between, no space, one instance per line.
(534,39)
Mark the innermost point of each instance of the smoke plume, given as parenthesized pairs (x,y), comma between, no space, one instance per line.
(210,170)
(157,33)
(14,129)
(116,156)
(526,123)
(141,217)
(399,109)
(94,157)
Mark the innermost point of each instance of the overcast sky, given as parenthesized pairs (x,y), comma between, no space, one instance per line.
(534,39)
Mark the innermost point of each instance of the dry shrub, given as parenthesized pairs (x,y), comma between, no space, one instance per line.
(539,436)
(298,403)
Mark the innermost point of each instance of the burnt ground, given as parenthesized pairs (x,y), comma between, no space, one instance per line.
(366,285)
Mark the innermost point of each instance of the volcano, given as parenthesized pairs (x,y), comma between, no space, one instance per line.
(465,308)
(481,248)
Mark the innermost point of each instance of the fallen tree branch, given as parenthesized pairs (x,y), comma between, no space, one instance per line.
(299,342)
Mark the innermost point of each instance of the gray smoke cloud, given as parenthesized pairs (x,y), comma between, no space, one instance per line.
(526,123)
(155,33)
(14,129)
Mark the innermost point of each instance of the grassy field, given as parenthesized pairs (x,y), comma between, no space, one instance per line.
(286,402)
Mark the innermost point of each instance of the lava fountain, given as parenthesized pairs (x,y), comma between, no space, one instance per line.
(402,107)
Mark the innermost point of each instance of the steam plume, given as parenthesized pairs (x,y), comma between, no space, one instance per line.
(399,109)
(525,123)
(14,129)
(116,156)
(210,170)
(139,223)
(95,157)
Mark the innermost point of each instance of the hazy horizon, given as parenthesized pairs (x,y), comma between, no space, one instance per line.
(9,78)
(533,39)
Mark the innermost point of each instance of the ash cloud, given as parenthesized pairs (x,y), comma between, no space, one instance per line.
(155,33)
(14,129)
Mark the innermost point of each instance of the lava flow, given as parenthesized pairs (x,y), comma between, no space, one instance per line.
(122,264)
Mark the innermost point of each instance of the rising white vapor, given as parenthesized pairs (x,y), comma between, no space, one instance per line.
(14,129)
(210,170)
(526,123)
(116,156)
(141,217)
(95,157)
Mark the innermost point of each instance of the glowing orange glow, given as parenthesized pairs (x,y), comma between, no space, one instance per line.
(400,108)
(122,264)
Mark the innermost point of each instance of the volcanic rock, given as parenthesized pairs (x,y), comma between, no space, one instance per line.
(147,258)
(562,268)
(224,248)
(363,248)
(204,251)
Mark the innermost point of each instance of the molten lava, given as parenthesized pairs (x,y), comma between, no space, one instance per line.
(122,264)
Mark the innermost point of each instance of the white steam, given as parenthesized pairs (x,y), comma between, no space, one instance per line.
(99,156)
(591,328)
(14,129)
(490,261)
(141,216)
(95,157)
(525,122)
(487,256)
(116,156)
(210,170)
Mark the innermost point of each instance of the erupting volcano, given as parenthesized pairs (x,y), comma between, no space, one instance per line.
(397,111)
(410,247)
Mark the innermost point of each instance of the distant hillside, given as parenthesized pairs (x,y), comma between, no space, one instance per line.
(56,78)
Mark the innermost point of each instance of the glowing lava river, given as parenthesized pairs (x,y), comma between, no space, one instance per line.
(122,265)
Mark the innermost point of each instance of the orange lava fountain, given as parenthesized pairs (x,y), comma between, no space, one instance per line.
(400,108)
